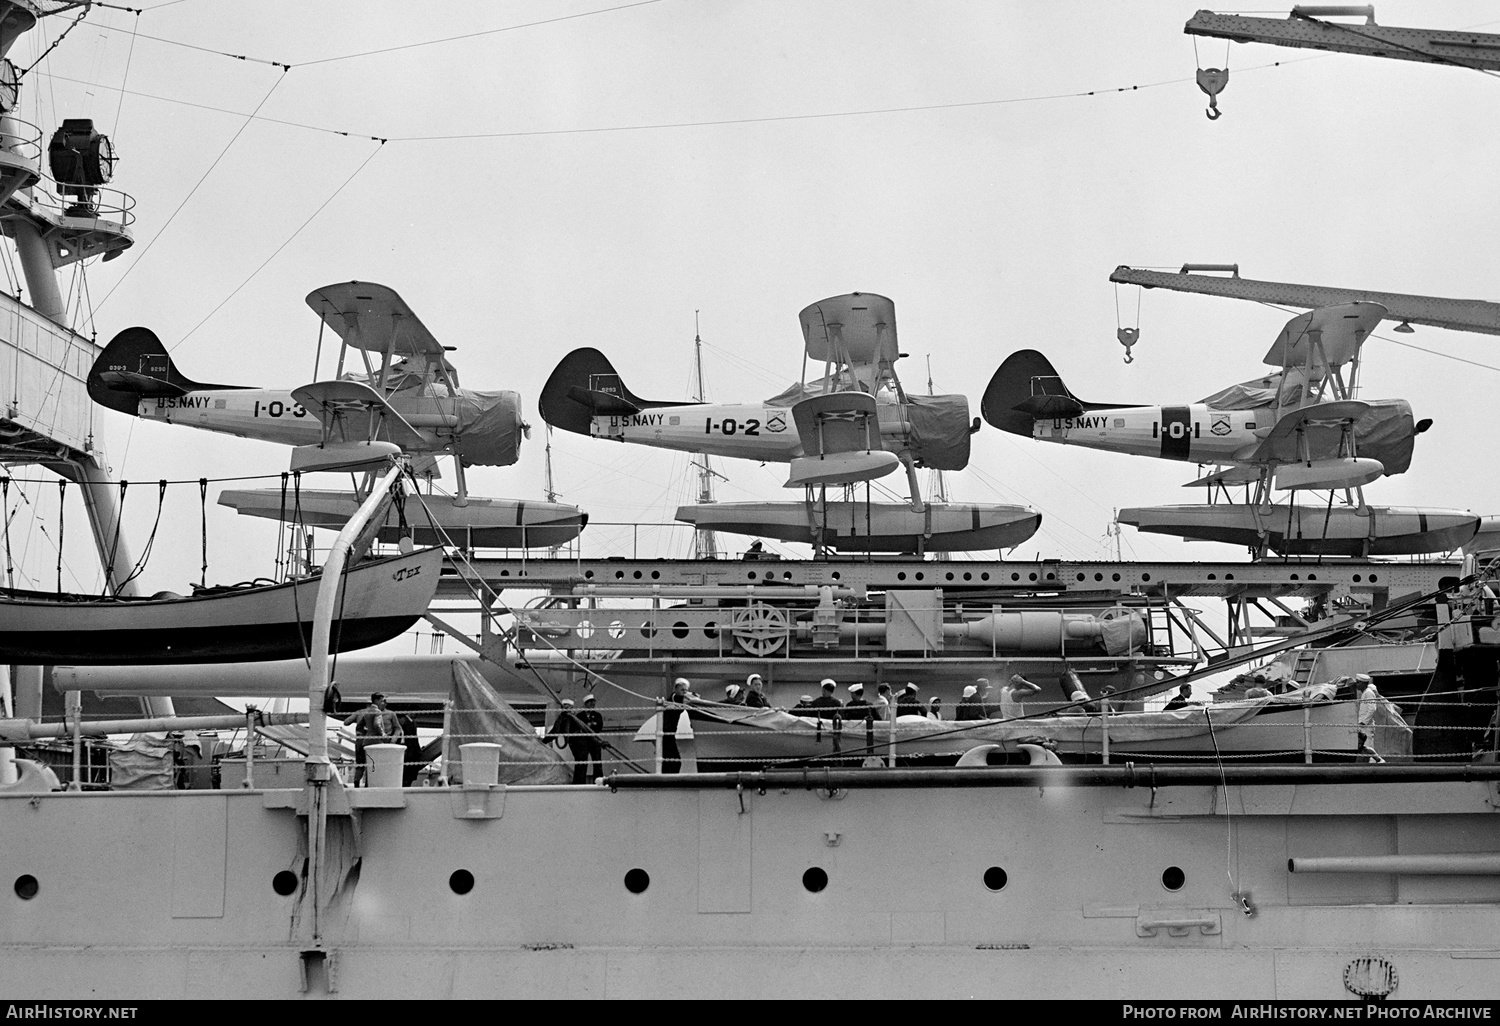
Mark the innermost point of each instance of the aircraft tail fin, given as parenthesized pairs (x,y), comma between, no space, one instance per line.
(1027,388)
(585,385)
(136,365)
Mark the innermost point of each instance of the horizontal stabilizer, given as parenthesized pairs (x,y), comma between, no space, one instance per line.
(1050,407)
(605,404)
(135,365)
(585,385)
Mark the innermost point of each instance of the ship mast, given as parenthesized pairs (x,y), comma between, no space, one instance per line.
(705,543)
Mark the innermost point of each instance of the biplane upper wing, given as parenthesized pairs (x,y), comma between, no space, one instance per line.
(373,317)
(857,331)
(349,410)
(1330,335)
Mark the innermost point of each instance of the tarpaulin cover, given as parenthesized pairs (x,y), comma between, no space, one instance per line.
(489,425)
(939,431)
(144,763)
(1247,395)
(797,391)
(476,712)
(1123,635)
(1385,434)
(1384,727)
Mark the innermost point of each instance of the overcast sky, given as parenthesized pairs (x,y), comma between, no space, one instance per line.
(529,201)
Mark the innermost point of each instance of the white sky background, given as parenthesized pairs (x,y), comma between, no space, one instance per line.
(993,227)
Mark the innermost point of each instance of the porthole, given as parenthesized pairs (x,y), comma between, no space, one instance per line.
(637,880)
(1357,578)
(680,629)
(711,630)
(636,575)
(1229,577)
(616,630)
(920,575)
(619,575)
(950,575)
(837,576)
(1373,578)
(26,887)
(461,881)
(588,575)
(984,576)
(968,576)
(1114,577)
(1145,577)
(1172,878)
(284,882)
(1080,577)
(750,576)
(1015,576)
(584,630)
(901,575)
(815,879)
(996,878)
(504,573)
(655,575)
(648,629)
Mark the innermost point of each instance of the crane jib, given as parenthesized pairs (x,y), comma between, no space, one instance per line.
(1176,432)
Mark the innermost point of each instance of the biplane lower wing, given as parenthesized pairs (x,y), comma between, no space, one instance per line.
(841,444)
(340,405)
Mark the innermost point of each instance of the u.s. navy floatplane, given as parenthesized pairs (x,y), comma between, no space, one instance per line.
(409,401)
(1297,428)
(851,423)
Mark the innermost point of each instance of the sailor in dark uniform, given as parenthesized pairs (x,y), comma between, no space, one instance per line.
(908,702)
(591,741)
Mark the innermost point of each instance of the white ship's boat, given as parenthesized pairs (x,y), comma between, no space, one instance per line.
(428,519)
(380,599)
(1310,531)
(872,527)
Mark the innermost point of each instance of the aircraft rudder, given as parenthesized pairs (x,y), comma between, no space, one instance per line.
(1011,386)
(130,357)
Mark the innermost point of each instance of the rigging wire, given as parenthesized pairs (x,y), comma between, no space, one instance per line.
(191,192)
(276,252)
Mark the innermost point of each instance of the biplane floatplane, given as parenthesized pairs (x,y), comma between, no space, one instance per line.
(405,399)
(852,423)
(1298,428)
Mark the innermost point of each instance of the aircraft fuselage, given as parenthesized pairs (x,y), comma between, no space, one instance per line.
(750,431)
(268,414)
(1193,434)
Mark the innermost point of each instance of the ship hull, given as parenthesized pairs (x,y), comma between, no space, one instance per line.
(1081,912)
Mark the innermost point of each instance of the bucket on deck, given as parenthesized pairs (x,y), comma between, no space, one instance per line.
(383,764)
(481,762)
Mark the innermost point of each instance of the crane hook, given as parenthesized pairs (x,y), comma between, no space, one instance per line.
(1212,81)
(1128,337)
